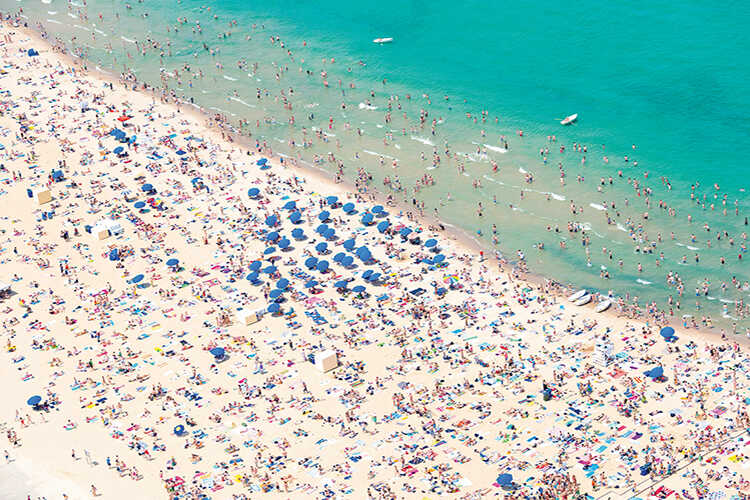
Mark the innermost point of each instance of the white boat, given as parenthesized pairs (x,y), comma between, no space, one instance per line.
(603,305)
(383,40)
(577,295)
(583,300)
(569,119)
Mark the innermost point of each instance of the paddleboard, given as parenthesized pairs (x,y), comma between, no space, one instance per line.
(603,305)
(577,295)
(383,40)
(583,300)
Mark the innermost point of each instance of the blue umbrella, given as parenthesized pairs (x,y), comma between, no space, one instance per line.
(147,187)
(173,262)
(295,217)
(282,283)
(324,215)
(274,308)
(504,479)
(322,266)
(348,208)
(179,430)
(358,289)
(290,205)
(181,152)
(367,219)
(364,254)
(667,332)
(405,231)
(332,200)
(377,209)
(255,265)
(253,192)
(383,226)
(349,244)
(347,261)
(34,400)
(137,278)
(284,243)
(298,233)
(261,162)
(655,372)
(217,352)
(118,150)
(330,233)
(269,250)
(274,294)
(139,204)
(253,276)
(321,228)
(339,256)
(430,243)
(272,236)
(341,284)
(440,291)
(311,284)
(438,258)
(270,270)
(374,277)
(271,221)
(321,247)
(367,274)
(311,262)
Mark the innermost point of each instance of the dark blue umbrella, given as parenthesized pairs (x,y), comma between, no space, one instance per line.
(321,228)
(173,262)
(324,215)
(349,244)
(295,217)
(667,332)
(438,258)
(332,200)
(341,284)
(290,205)
(655,372)
(504,479)
(377,209)
(253,192)
(430,243)
(274,294)
(330,233)
(137,278)
(147,187)
(348,208)
(367,274)
(217,352)
(271,221)
(367,219)
(139,204)
(274,308)
(322,266)
(298,233)
(339,256)
(311,262)
(272,236)
(270,270)
(405,231)
(261,162)
(374,277)
(364,254)
(284,243)
(181,152)
(311,284)
(256,265)
(34,400)
(282,283)
(347,261)
(253,276)
(321,247)
(269,250)
(358,289)
(440,291)
(118,150)
(383,226)
(179,430)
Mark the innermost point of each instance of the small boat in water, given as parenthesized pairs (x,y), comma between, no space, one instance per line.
(603,305)
(383,40)
(584,300)
(569,119)
(577,295)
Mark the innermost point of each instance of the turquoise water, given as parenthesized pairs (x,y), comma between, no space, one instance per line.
(669,79)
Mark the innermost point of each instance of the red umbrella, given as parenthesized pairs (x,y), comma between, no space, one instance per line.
(124,118)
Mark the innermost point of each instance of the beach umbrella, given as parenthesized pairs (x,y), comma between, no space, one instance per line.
(330,233)
(321,228)
(504,479)
(196,180)
(274,294)
(295,217)
(438,258)
(124,118)
(358,289)
(261,162)
(282,283)
(269,250)
(284,243)
(255,265)
(271,220)
(321,247)
(332,200)
(290,205)
(377,209)
(349,244)
(139,204)
(341,284)
(430,243)
(367,274)
(147,187)
(298,234)
(322,266)
(364,253)
(440,291)
(367,219)
(173,262)
(253,192)
(137,278)
(253,276)
(217,352)
(405,231)
(274,308)
(181,152)
(383,226)
(324,215)
(667,332)
(34,400)
(348,208)
(347,261)
(311,284)
(339,256)
(311,262)
(270,270)
(179,430)
(374,277)
(655,372)
(118,150)
(272,236)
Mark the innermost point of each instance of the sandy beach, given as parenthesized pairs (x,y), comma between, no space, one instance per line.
(203,320)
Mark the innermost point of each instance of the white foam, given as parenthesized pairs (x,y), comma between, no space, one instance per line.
(72,15)
(621,227)
(368,107)
(373,153)
(127,39)
(691,248)
(47,2)
(521,169)
(230,78)
(424,141)
(241,102)
(596,206)
(100,31)
(81,27)
(643,282)
(493,180)
(54,21)
(496,149)
(555,196)
(51,12)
